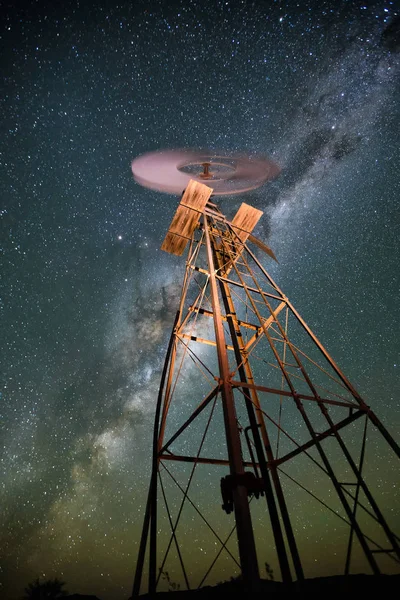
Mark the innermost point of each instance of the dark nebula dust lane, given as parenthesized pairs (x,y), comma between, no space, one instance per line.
(88,297)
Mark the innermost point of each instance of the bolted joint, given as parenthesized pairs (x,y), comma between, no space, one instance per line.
(254,486)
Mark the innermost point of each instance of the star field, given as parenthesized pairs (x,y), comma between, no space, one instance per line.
(88,297)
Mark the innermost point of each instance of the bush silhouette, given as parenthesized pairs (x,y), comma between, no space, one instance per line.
(45,590)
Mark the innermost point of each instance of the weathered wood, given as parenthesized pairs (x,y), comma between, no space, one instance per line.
(245,220)
(263,247)
(243,224)
(186,218)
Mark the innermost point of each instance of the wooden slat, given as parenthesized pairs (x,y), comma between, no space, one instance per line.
(263,246)
(186,217)
(245,220)
(243,224)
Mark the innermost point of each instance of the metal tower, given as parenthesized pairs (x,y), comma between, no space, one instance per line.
(259,438)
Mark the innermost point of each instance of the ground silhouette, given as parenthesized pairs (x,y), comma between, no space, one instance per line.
(81,597)
(327,587)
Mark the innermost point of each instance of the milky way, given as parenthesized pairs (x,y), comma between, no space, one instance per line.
(88,298)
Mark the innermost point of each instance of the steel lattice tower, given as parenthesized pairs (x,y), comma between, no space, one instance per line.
(255,424)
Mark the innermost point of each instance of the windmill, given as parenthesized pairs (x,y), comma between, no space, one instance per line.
(258,434)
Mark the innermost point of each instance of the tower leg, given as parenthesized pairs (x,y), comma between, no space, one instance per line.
(252,402)
(245,372)
(247,549)
(150,518)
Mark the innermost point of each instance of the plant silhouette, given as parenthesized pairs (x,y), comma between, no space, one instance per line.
(270,572)
(45,590)
(172,586)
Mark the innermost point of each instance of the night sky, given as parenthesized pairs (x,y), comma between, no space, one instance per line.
(88,297)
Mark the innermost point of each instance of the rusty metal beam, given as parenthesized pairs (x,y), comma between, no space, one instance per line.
(244,528)
(196,459)
(192,417)
(195,338)
(287,394)
(208,313)
(251,289)
(319,437)
(266,324)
